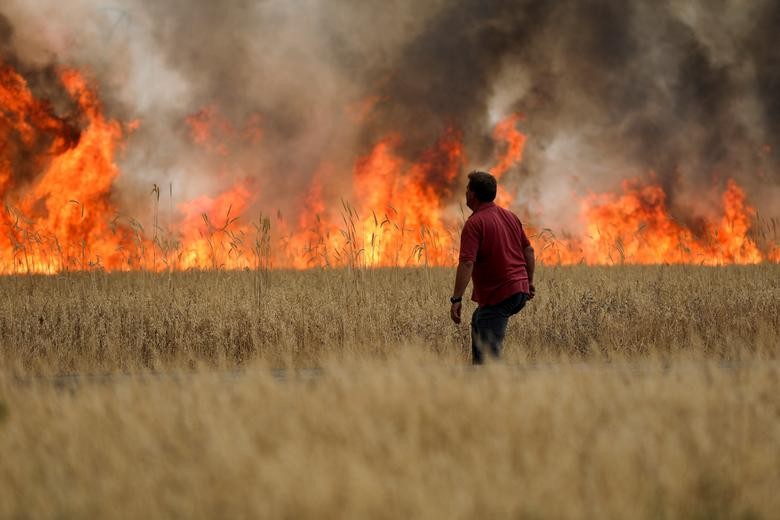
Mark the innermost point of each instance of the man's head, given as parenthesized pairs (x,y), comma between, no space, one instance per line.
(481,189)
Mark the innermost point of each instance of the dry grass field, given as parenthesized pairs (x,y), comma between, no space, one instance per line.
(626,392)
(96,322)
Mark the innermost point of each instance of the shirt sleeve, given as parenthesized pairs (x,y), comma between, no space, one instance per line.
(469,241)
(524,238)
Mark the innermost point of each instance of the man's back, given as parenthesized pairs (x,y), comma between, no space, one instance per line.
(494,239)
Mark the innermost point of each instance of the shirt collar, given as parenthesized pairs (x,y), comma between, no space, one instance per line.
(485,205)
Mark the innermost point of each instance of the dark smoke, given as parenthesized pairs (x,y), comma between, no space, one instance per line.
(644,88)
(445,75)
(764,51)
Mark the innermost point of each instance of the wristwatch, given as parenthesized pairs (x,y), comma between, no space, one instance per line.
(456,300)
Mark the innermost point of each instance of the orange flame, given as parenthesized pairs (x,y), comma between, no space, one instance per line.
(206,242)
(514,141)
(506,132)
(62,218)
(636,227)
(57,176)
(403,221)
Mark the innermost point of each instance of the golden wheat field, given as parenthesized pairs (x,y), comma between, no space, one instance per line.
(625,392)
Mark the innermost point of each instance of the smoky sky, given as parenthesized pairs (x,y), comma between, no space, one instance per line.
(686,91)
(678,89)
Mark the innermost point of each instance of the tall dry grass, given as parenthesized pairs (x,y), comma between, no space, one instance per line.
(627,392)
(399,440)
(137,321)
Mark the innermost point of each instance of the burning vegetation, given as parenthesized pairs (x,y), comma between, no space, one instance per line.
(261,189)
(60,215)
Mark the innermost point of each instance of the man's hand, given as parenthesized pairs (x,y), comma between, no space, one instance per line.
(462,277)
(455,312)
(530,267)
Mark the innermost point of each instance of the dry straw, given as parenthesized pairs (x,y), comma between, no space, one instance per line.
(626,392)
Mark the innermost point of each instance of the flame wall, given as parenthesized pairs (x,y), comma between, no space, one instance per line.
(291,134)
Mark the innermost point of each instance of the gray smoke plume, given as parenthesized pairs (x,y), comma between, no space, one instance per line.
(686,91)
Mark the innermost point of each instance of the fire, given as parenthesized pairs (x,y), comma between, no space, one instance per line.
(506,132)
(57,174)
(403,215)
(313,243)
(637,227)
(209,237)
(60,215)
(399,218)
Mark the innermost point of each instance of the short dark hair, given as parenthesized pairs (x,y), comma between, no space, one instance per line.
(483,185)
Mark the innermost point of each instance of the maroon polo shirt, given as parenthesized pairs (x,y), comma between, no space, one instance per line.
(493,238)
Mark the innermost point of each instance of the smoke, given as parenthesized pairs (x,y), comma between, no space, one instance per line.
(683,90)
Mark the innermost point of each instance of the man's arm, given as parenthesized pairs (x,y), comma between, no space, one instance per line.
(462,277)
(530,265)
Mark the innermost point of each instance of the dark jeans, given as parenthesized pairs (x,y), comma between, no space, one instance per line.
(488,326)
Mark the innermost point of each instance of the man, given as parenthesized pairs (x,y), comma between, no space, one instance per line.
(496,253)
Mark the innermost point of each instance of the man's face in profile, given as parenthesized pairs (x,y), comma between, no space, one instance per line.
(471,199)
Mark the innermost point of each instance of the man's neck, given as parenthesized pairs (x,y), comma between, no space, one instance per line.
(479,205)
